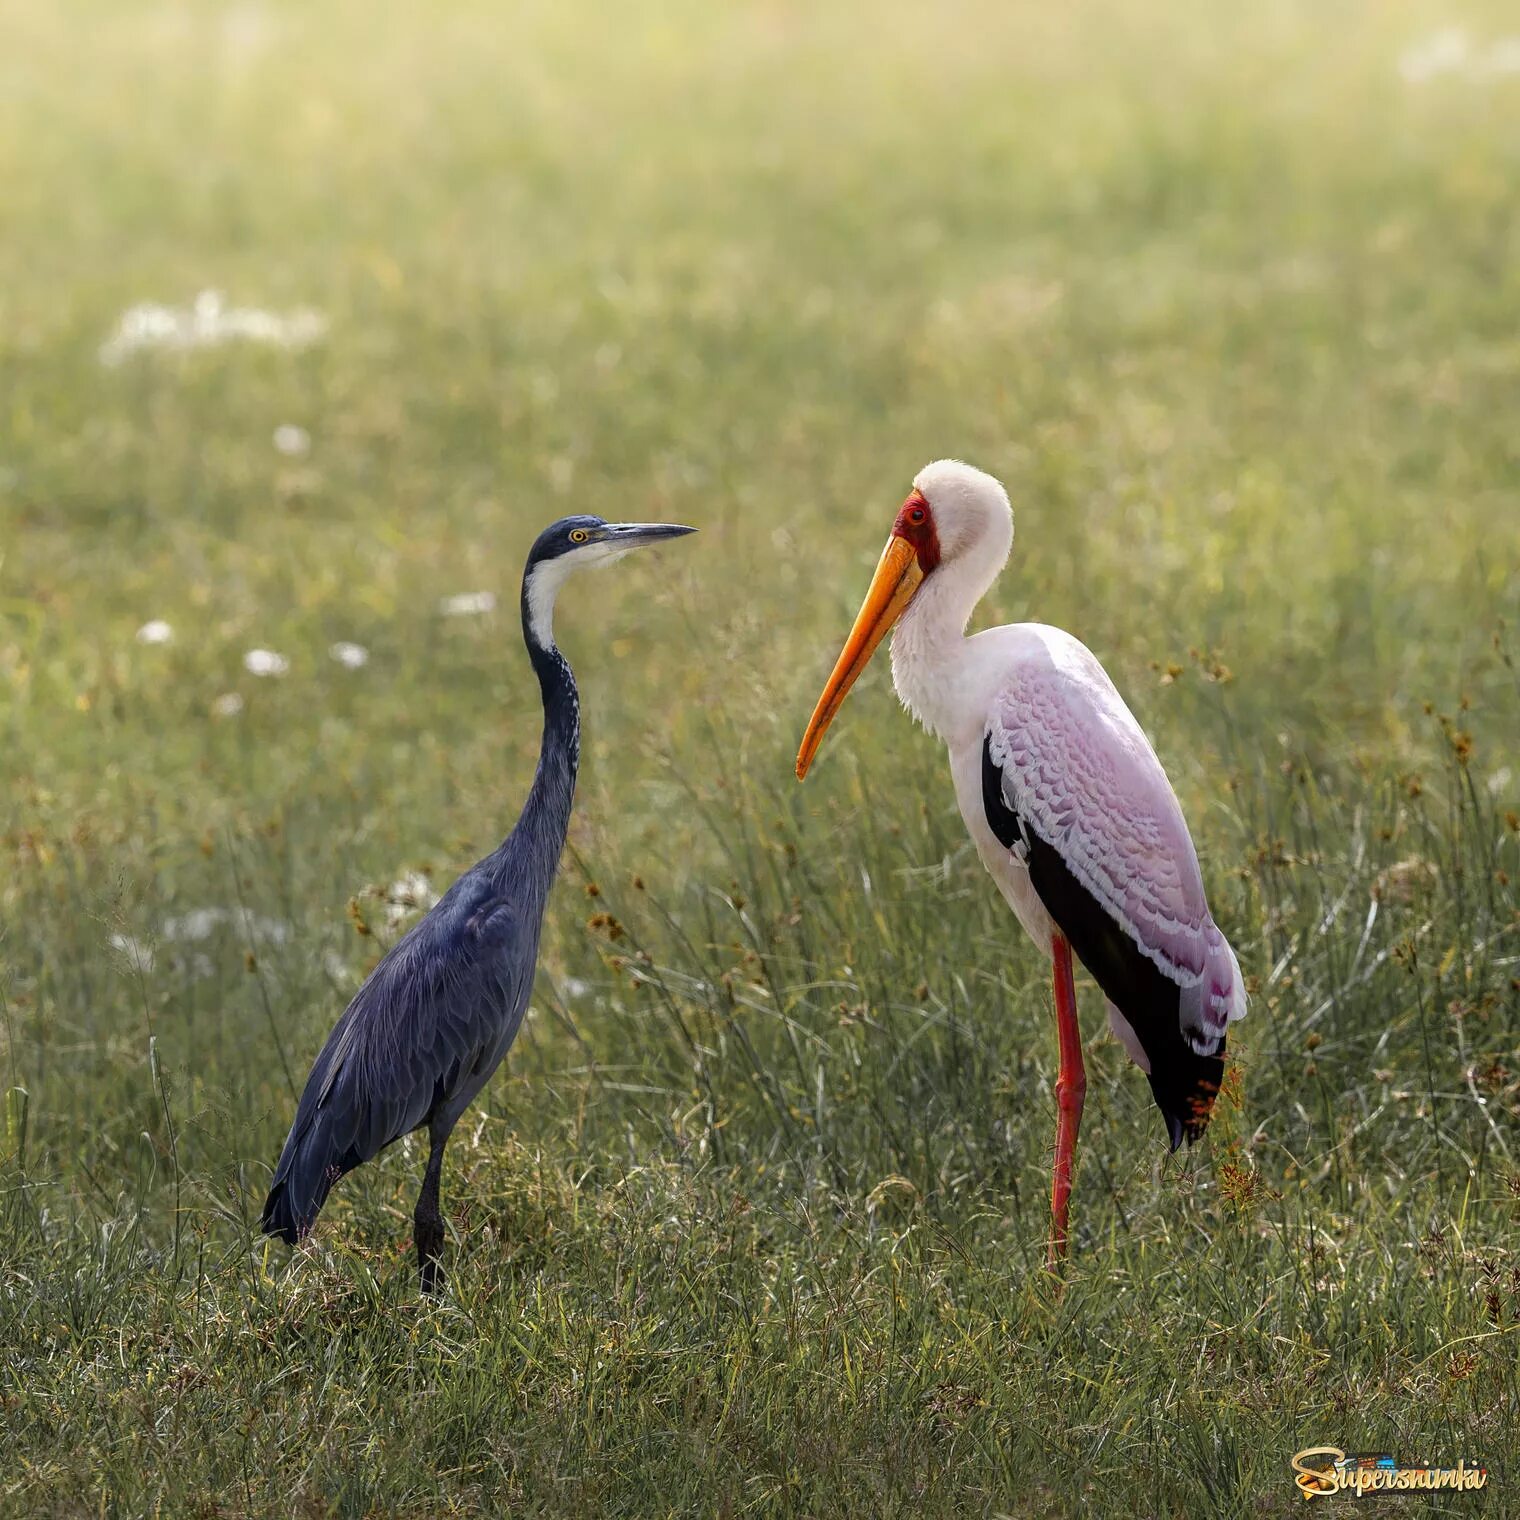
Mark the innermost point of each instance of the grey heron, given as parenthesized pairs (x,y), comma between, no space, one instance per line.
(432,1022)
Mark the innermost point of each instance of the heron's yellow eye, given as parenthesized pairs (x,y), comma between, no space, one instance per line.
(578,535)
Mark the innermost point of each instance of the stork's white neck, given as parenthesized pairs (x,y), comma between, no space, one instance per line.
(929,644)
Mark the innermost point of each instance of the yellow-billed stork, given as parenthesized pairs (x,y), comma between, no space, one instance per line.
(1065,799)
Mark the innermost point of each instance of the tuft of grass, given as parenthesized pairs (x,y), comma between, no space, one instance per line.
(752,1219)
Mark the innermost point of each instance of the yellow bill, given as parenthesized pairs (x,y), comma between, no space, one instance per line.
(897,577)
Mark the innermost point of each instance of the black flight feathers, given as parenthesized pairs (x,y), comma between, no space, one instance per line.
(1184,1082)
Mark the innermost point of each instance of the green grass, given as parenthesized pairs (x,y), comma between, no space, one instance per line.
(751,1221)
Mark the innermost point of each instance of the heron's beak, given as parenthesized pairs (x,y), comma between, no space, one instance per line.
(636,535)
(897,577)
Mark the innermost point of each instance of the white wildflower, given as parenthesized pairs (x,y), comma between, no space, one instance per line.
(1439,53)
(262,929)
(205,324)
(1502,57)
(228,705)
(337,968)
(139,955)
(265,662)
(1452,51)
(292,441)
(197,924)
(349,656)
(406,895)
(201,923)
(198,967)
(468,604)
(156,631)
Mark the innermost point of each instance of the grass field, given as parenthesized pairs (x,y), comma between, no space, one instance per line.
(751,1220)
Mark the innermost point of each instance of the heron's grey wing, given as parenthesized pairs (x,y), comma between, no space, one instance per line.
(434,1016)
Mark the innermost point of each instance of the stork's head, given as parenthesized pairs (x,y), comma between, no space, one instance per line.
(968,509)
(955,523)
(578,543)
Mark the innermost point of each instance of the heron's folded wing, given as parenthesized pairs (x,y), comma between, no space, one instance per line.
(436,1005)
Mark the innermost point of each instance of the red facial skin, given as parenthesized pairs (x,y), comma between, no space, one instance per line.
(915,523)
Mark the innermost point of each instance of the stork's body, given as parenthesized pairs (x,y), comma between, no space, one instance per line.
(1064,797)
(426,1031)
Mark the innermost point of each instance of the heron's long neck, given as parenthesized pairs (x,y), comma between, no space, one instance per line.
(929,643)
(535,845)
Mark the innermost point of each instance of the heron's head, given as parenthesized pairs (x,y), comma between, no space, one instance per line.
(578,543)
(956,524)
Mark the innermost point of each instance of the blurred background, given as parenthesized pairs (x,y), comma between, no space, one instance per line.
(312,316)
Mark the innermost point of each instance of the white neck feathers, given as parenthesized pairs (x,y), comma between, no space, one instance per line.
(543,588)
(929,643)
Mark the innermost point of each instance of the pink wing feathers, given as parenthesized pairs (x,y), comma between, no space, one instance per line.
(1078,768)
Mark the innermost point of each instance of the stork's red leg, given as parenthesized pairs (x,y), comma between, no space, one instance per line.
(1071,1089)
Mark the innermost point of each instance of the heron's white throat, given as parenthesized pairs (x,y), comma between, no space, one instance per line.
(548,576)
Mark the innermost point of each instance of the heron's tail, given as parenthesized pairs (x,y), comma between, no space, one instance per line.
(307,1169)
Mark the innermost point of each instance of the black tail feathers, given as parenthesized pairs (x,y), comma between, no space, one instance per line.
(1185,1093)
(302,1181)
(279,1217)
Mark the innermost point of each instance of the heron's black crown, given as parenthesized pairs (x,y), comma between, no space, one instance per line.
(557,538)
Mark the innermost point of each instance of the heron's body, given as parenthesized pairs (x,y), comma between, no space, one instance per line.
(428,1028)
(1063,796)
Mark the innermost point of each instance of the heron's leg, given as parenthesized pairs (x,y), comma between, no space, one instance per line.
(1071,1089)
(427,1222)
